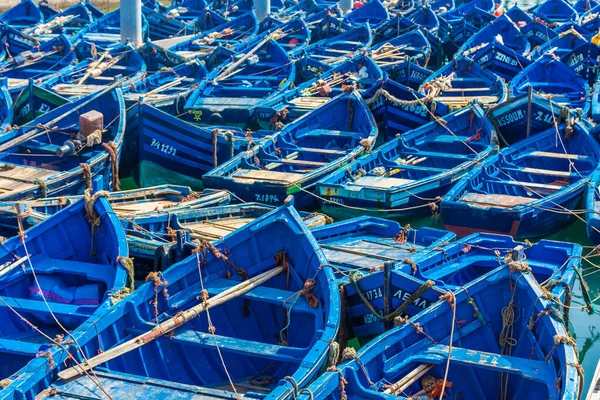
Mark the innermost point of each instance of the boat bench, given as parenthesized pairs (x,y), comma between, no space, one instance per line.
(191,337)
(533,185)
(39,307)
(329,132)
(547,172)
(551,154)
(292,161)
(315,150)
(495,200)
(20,346)
(260,293)
(93,272)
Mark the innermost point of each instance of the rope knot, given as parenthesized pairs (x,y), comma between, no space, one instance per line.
(307,292)
(401,320)
(349,353)
(449,297)
(413,265)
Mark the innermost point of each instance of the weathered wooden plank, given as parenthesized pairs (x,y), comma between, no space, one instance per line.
(495,200)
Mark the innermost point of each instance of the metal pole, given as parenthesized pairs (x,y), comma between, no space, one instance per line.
(262,8)
(131,22)
(346,6)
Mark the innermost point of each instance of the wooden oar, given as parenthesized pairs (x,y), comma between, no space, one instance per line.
(14,265)
(170,324)
(408,380)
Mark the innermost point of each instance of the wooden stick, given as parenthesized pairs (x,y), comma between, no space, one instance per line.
(14,265)
(92,65)
(408,380)
(165,86)
(170,324)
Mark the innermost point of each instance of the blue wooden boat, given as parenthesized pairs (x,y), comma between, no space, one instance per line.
(157,57)
(164,26)
(337,49)
(400,25)
(526,190)
(584,61)
(14,42)
(538,32)
(501,60)
(463,81)
(68,22)
(56,276)
(172,150)
(301,309)
(526,115)
(167,89)
(560,45)
(59,153)
(398,109)
(427,19)
(97,70)
(502,30)
(573,27)
(409,74)
(405,175)
(228,34)
(326,25)
(126,205)
(433,354)
(590,20)
(423,276)
(583,6)
(33,101)
(551,77)
(232,90)
(23,15)
(293,36)
(364,244)
(360,72)
(373,13)
(411,46)
(46,9)
(305,151)
(518,15)
(158,240)
(6,107)
(54,56)
(592,205)
(555,11)
(106,31)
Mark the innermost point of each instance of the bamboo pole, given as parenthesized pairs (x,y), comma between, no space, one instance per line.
(170,324)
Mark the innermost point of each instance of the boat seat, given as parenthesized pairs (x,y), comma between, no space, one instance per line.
(189,337)
(93,272)
(21,347)
(122,386)
(549,172)
(449,138)
(297,162)
(380,182)
(329,132)
(546,186)
(550,154)
(39,307)
(534,370)
(495,200)
(318,151)
(246,175)
(260,293)
(467,99)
